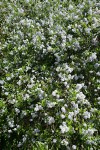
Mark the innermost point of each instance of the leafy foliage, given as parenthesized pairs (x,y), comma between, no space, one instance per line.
(49,77)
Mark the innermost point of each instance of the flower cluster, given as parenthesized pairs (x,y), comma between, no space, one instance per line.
(49,77)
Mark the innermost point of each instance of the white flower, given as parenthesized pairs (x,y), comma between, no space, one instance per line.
(20,77)
(95,41)
(76,17)
(58,68)
(69,36)
(19,144)
(30,86)
(20,10)
(36,130)
(70,116)
(91,148)
(64,128)
(15,129)
(54,93)
(76,77)
(80,96)
(26,96)
(70,70)
(74,147)
(76,111)
(6,93)
(49,48)
(8,78)
(75,105)
(27,68)
(64,142)
(11,124)
(74,29)
(92,57)
(62,116)
(54,140)
(76,44)
(70,7)
(24,113)
(9,131)
(69,27)
(1,81)
(41,94)
(90,131)
(32,80)
(57,57)
(17,110)
(86,115)
(12,101)
(98,73)
(79,86)
(63,109)
(90,11)
(60,100)
(51,104)
(38,107)
(51,120)
(27,1)
(96,65)
(88,30)
(66,84)
(84,124)
(66,105)
(19,82)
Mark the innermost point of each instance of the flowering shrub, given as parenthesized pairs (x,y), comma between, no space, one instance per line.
(50,71)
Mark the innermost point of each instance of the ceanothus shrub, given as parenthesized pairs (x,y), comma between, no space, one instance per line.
(50,71)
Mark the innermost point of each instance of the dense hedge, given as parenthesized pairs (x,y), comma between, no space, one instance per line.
(50,74)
